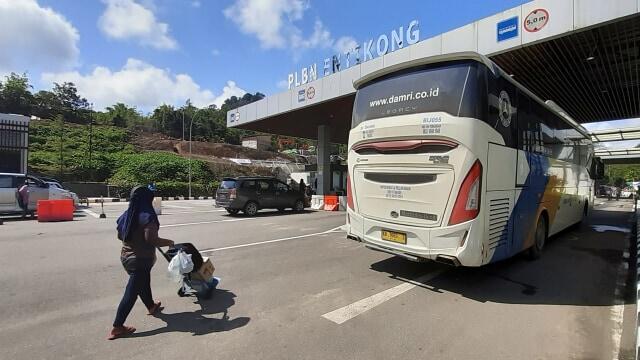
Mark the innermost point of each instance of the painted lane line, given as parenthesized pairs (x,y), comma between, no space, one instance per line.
(206,222)
(177,206)
(87,211)
(193,212)
(350,311)
(272,241)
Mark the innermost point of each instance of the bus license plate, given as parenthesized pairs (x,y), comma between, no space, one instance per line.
(393,236)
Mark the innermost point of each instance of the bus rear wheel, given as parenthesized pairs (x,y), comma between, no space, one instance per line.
(539,239)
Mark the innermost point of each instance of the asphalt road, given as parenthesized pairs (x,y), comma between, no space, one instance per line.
(294,288)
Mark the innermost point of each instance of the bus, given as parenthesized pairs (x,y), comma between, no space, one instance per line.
(451,159)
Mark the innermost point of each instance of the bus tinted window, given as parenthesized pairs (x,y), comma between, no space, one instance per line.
(424,89)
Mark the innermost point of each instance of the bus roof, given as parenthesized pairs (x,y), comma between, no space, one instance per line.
(473,56)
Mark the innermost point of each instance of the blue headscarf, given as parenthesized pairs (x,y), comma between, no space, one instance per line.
(139,212)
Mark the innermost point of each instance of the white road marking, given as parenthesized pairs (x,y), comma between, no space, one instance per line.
(87,211)
(271,241)
(176,206)
(206,222)
(193,212)
(616,313)
(350,311)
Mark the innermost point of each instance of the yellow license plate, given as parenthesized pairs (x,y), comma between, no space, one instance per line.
(396,237)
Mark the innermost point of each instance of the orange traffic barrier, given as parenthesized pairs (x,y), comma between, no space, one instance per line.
(55,210)
(331,203)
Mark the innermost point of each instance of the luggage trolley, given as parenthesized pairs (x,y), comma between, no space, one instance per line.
(189,284)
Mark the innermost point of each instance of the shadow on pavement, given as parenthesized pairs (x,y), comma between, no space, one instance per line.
(578,267)
(268,213)
(197,322)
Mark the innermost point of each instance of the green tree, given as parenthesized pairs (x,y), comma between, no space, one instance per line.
(46,104)
(74,107)
(121,115)
(15,95)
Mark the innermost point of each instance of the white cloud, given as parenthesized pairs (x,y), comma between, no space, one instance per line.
(282,84)
(141,84)
(35,37)
(196,4)
(344,44)
(126,19)
(320,38)
(228,91)
(273,23)
(266,19)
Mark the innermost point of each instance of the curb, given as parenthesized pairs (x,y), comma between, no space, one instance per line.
(164,198)
(637,215)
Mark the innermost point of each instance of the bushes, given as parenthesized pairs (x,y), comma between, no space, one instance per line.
(144,168)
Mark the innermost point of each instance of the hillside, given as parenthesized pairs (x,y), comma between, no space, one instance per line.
(115,149)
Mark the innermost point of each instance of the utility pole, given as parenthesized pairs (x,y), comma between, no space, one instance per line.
(90,142)
(190,127)
(61,139)
(183,125)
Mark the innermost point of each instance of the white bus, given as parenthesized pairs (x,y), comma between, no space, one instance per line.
(450,159)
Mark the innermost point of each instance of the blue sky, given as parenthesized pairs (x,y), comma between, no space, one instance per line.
(149,52)
(243,45)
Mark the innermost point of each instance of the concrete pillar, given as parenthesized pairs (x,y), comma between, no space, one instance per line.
(324,160)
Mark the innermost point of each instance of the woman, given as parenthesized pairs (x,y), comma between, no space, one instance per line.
(138,230)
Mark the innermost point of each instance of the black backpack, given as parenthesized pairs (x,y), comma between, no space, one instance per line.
(189,249)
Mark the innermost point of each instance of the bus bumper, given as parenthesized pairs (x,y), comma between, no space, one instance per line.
(456,245)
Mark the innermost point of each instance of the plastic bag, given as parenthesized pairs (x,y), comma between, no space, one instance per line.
(180,264)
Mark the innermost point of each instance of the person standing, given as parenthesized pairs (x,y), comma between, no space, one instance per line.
(302,187)
(23,198)
(138,229)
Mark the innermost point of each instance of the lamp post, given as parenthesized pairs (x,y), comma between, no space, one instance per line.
(90,141)
(190,128)
(183,125)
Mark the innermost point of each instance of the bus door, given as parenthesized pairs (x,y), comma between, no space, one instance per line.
(501,171)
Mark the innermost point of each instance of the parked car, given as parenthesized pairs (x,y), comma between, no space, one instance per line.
(38,190)
(251,194)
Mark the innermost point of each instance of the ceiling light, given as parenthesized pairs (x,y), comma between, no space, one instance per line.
(590,58)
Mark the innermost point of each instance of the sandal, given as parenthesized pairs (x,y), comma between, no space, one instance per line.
(155,308)
(121,331)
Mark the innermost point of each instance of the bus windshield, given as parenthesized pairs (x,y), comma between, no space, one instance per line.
(450,87)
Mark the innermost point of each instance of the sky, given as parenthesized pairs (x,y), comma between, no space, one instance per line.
(148,52)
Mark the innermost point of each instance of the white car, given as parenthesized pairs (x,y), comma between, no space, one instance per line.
(56,192)
(38,190)
(626,194)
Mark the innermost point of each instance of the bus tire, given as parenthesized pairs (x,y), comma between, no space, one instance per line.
(539,239)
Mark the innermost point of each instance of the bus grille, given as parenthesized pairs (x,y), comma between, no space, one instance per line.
(499,211)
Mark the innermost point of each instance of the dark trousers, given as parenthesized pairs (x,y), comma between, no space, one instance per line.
(139,285)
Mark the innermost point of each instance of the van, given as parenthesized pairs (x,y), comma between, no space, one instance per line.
(250,194)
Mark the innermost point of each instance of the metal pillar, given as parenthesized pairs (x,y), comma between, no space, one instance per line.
(324,161)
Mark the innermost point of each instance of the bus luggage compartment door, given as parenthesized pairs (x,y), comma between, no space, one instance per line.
(407,195)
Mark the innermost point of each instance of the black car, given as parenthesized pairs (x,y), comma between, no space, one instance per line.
(251,194)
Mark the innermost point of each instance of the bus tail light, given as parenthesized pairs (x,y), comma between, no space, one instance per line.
(467,205)
(349,194)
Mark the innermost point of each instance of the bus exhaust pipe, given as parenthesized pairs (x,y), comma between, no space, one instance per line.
(354,238)
(448,260)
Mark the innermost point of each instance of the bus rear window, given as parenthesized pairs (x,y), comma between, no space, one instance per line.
(451,88)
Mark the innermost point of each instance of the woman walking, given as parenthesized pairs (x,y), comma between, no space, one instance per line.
(138,229)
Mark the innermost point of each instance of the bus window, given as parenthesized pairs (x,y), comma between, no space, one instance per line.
(420,90)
